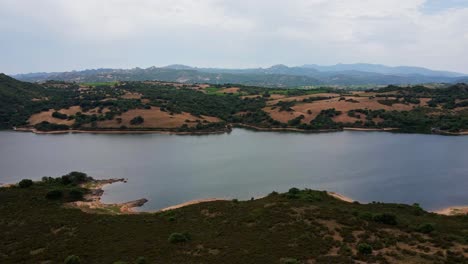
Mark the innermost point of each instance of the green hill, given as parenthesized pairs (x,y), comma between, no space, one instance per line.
(301,226)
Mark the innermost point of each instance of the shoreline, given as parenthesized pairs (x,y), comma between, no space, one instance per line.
(452,210)
(93,204)
(227,130)
(92,201)
(78,131)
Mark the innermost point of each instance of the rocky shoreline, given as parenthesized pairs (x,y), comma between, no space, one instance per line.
(92,201)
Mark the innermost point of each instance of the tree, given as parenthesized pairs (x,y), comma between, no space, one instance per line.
(137,120)
(54,195)
(365,249)
(425,228)
(385,218)
(26,183)
(76,195)
(179,237)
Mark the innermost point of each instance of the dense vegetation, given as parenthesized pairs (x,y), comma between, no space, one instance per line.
(445,112)
(295,227)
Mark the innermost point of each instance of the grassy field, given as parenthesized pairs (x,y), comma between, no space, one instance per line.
(297,227)
(94,84)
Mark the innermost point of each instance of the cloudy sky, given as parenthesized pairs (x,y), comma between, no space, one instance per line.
(61,35)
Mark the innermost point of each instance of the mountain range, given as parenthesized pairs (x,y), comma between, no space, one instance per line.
(275,76)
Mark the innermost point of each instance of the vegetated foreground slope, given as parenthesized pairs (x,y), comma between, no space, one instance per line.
(148,105)
(301,226)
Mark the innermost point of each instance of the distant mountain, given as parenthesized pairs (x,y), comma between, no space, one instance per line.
(275,76)
(382,69)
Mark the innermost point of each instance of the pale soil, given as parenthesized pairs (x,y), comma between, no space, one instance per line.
(198,201)
(40,99)
(340,197)
(369,129)
(155,118)
(150,131)
(286,129)
(454,210)
(129,95)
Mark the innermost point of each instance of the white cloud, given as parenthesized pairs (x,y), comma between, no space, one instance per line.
(259,32)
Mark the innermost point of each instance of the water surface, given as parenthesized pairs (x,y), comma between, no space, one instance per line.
(170,169)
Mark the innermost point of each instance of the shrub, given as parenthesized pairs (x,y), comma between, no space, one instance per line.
(385,218)
(137,120)
(364,249)
(54,195)
(75,177)
(76,195)
(179,237)
(72,259)
(26,183)
(141,260)
(289,261)
(59,115)
(294,191)
(425,228)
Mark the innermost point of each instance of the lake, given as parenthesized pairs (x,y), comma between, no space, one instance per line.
(170,169)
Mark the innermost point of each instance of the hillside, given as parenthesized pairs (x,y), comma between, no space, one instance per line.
(38,226)
(275,76)
(203,108)
(19,100)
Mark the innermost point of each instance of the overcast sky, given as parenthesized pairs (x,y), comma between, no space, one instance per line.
(62,35)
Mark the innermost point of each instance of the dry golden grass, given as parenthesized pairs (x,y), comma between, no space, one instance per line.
(47,116)
(340,105)
(231,90)
(154,118)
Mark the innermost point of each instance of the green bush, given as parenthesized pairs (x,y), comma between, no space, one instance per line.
(385,218)
(76,195)
(72,259)
(294,191)
(425,228)
(141,260)
(59,115)
(137,120)
(179,237)
(54,195)
(75,177)
(289,261)
(364,249)
(26,183)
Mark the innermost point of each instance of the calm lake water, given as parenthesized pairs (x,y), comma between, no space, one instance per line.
(170,169)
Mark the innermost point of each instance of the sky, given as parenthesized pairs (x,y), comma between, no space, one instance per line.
(64,35)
